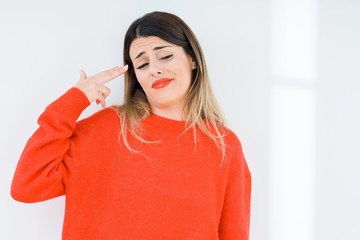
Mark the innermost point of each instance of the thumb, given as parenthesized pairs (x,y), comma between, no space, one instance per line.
(82,74)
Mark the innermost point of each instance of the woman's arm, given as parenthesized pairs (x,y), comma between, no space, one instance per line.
(235,217)
(52,155)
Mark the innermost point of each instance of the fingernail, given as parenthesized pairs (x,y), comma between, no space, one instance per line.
(123,67)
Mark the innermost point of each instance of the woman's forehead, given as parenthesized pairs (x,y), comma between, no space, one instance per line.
(141,44)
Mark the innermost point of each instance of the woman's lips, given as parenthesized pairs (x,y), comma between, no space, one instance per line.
(161,83)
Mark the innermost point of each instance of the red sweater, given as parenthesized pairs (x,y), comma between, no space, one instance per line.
(112,193)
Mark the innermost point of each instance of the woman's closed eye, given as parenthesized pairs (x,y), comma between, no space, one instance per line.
(164,58)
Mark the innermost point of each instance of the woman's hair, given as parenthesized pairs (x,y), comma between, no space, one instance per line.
(200,100)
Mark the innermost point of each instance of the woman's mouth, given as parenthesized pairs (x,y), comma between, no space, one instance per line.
(161,83)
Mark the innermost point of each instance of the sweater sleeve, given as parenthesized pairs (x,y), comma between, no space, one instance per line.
(52,154)
(235,217)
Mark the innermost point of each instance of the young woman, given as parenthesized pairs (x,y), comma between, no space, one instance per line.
(161,166)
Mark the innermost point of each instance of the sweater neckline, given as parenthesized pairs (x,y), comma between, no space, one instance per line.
(167,123)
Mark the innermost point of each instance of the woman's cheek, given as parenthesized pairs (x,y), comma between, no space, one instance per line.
(139,77)
(142,81)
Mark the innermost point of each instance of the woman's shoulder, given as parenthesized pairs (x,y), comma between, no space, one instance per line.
(230,136)
(107,116)
(225,131)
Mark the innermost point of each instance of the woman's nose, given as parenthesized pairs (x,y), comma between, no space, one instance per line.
(155,68)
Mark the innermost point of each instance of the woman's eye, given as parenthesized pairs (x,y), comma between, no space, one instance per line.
(164,58)
(142,66)
(167,57)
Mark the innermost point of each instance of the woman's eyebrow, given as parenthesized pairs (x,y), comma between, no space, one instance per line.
(155,48)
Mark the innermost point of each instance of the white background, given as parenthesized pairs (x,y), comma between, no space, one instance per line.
(286,72)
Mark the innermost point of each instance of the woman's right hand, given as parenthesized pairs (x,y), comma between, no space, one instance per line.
(93,86)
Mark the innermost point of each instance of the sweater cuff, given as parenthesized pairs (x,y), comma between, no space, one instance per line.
(71,104)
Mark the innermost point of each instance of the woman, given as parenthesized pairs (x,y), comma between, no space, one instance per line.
(160,166)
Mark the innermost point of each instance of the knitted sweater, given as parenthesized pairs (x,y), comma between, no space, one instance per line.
(175,190)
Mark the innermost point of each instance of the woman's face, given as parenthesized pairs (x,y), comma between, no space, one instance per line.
(164,72)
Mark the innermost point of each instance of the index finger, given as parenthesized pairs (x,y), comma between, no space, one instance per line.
(110,74)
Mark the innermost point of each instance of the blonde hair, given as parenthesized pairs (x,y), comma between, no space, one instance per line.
(201,103)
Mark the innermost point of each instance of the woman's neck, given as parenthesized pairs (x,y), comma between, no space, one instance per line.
(170,113)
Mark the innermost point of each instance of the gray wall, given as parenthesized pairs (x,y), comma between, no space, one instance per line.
(338,158)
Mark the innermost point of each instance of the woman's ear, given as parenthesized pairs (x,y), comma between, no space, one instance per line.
(193,64)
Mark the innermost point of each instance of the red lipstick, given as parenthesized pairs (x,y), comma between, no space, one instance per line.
(161,83)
